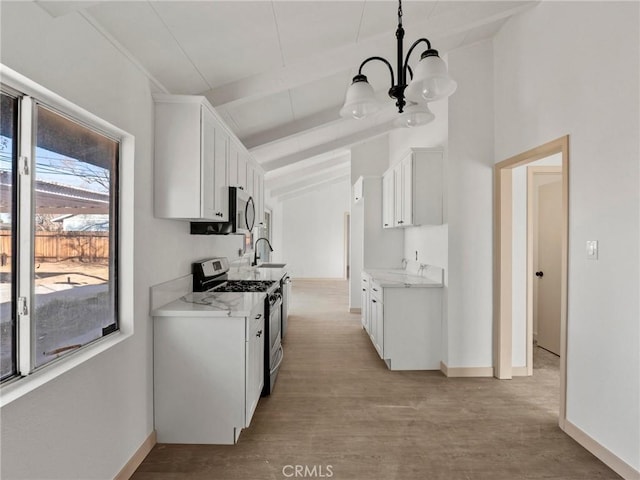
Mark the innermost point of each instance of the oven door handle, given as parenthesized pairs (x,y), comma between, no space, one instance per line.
(281,351)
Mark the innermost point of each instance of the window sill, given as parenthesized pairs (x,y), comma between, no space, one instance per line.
(16,388)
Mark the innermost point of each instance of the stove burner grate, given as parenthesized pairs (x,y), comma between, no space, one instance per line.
(245,286)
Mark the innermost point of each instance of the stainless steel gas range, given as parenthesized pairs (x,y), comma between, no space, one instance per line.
(211,275)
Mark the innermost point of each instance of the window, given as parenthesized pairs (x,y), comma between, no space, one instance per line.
(8,160)
(58,234)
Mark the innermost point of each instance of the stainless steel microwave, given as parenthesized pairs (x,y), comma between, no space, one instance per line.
(242,215)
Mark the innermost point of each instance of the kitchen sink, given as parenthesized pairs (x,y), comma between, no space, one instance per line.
(272,265)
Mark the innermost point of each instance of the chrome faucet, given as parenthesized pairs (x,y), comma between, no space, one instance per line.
(255,250)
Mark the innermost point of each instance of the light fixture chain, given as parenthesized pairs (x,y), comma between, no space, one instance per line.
(399,12)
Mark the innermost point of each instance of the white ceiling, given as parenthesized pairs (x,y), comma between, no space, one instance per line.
(277,71)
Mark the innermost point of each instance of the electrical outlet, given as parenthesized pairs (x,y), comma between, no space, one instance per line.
(592,249)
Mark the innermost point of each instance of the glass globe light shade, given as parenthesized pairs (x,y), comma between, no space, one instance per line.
(414,115)
(431,80)
(360,100)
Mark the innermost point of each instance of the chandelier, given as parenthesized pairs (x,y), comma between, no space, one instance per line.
(429,83)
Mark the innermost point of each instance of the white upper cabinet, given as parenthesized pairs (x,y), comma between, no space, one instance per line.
(250,177)
(358,190)
(234,153)
(414,186)
(243,160)
(196,155)
(258,187)
(388,189)
(190,159)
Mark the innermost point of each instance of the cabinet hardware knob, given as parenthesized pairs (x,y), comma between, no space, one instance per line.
(259,334)
(375,289)
(539,274)
(258,316)
(374,301)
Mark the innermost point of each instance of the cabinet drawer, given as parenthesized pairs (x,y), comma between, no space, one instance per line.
(376,292)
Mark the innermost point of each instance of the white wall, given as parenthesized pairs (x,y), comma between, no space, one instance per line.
(573,68)
(313,225)
(88,422)
(370,158)
(469,324)
(519,258)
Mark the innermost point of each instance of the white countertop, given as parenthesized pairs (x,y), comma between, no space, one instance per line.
(257,273)
(398,278)
(211,304)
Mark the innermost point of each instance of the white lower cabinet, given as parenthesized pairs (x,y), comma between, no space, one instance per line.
(406,326)
(377,318)
(208,376)
(364,309)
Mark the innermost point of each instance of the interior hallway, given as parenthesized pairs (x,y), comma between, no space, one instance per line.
(337,408)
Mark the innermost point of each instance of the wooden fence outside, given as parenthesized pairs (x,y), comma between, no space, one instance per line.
(56,246)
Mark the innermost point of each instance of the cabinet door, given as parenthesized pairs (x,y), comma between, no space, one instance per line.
(364,313)
(407,190)
(257,196)
(250,170)
(397,196)
(387,200)
(207,165)
(220,176)
(233,163)
(254,363)
(377,325)
(242,170)
(358,189)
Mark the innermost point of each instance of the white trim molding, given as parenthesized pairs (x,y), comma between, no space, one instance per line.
(603,454)
(520,371)
(134,462)
(459,372)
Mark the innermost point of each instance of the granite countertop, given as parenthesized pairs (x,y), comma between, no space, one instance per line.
(398,278)
(211,304)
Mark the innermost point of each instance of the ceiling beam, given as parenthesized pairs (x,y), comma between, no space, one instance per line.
(336,144)
(325,117)
(313,187)
(315,67)
(310,180)
(291,176)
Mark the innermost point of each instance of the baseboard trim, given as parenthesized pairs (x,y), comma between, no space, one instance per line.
(605,455)
(460,372)
(137,458)
(355,310)
(519,372)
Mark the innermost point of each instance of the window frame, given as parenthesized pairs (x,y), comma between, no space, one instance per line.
(11,93)
(30,94)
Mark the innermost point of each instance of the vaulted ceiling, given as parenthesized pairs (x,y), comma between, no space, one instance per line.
(277,71)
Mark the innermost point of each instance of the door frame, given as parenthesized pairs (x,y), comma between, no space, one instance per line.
(531,220)
(502,269)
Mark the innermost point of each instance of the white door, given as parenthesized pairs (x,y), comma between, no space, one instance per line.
(547,271)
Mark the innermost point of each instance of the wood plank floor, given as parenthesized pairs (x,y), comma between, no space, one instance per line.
(339,412)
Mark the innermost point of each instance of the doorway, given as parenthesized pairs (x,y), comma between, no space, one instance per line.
(503,264)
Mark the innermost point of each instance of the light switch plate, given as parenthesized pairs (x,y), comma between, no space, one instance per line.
(592,249)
